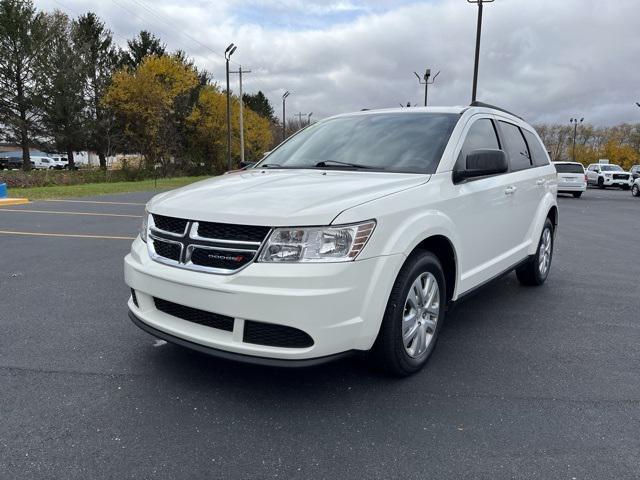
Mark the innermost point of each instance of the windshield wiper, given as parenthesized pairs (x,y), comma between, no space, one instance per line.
(327,163)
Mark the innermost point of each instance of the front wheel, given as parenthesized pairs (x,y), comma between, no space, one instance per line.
(413,317)
(601,183)
(577,194)
(535,270)
(635,191)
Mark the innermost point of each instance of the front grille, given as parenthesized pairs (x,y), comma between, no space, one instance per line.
(167,249)
(194,315)
(236,233)
(204,246)
(134,298)
(170,224)
(620,176)
(271,335)
(207,257)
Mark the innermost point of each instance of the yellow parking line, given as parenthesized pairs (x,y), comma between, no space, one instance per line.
(37,234)
(24,210)
(94,201)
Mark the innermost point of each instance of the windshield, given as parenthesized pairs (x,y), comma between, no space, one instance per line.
(392,142)
(610,168)
(569,168)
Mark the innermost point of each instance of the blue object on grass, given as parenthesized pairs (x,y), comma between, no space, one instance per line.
(3,190)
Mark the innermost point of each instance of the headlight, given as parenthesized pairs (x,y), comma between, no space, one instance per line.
(143,227)
(341,243)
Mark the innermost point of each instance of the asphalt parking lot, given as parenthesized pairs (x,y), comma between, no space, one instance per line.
(525,382)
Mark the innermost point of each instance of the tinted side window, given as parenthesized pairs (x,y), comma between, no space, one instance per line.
(538,153)
(481,135)
(516,148)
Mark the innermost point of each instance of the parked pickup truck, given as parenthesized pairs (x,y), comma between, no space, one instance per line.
(608,175)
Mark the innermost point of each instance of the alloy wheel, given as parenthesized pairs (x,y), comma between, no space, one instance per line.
(420,315)
(544,253)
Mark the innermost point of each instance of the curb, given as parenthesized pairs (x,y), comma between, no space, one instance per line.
(13,201)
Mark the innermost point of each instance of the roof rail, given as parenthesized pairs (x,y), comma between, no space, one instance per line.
(487,105)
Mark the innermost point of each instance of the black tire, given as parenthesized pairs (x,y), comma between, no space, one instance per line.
(635,191)
(528,273)
(625,187)
(601,182)
(389,351)
(577,194)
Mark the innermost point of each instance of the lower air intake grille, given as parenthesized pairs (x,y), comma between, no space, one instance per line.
(201,317)
(260,333)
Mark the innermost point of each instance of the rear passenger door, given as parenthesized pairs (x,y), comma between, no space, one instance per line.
(524,188)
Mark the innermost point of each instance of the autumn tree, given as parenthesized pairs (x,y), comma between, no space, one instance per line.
(23,36)
(208,130)
(146,100)
(98,58)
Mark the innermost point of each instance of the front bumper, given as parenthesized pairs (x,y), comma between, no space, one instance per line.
(611,182)
(340,305)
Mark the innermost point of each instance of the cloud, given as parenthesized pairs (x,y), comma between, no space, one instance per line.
(545,60)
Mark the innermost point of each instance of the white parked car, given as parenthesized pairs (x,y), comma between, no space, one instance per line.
(356,234)
(571,178)
(608,175)
(44,163)
(635,188)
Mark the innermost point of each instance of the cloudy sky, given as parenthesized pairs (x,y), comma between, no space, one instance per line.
(547,60)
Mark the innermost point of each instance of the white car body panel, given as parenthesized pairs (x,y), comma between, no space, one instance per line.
(491,223)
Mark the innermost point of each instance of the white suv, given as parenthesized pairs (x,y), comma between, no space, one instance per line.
(356,234)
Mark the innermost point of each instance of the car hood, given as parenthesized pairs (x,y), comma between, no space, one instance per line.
(280,197)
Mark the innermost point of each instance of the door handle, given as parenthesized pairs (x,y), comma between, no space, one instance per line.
(540,182)
(510,190)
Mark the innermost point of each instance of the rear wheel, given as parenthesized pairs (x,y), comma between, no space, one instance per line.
(577,194)
(635,191)
(536,269)
(413,317)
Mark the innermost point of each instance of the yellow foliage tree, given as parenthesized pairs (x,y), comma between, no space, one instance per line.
(146,100)
(208,129)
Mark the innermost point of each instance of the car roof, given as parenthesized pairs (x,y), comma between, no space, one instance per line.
(566,161)
(456,109)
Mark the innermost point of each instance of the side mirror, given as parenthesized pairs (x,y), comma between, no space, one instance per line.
(480,163)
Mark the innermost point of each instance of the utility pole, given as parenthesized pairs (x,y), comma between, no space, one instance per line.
(240,72)
(284,115)
(227,55)
(300,115)
(309,118)
(478,32)
(575,132)
(425,81)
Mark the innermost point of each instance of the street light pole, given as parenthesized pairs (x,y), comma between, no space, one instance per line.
(425,81)
(284,116)
(240,72)
(477,59)
(227,55)
(309,118)
(575,122)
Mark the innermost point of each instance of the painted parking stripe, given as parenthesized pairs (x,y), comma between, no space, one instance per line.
(70,235)
(24,210)
(95,201)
